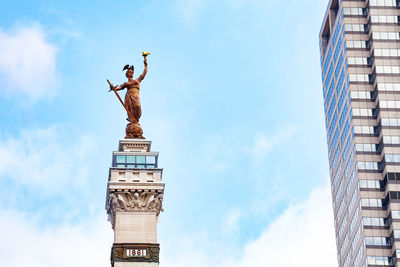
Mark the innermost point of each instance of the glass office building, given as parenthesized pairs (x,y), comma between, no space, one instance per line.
(360,63)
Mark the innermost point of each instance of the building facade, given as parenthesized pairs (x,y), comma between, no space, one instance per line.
(360,62)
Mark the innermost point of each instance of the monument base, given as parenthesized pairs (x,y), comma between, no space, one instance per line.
(135,255)
(133,130)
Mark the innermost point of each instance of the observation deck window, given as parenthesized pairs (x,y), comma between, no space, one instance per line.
(135,161)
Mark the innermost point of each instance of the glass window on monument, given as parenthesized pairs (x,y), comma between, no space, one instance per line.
(150,159)
(130,159)
(141,159)
(135,161)
(120,161)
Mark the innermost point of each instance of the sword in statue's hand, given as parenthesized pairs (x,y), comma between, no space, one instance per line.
(112,87)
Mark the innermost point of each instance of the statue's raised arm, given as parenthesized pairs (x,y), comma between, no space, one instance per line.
(132,99)
(141,77)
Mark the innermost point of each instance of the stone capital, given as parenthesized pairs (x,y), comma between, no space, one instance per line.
(136,201)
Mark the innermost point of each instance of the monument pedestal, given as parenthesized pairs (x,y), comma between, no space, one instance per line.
(133,203)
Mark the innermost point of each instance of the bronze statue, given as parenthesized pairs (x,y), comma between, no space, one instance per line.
(132,100)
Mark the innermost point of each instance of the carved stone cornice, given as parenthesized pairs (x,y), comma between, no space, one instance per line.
(133,202)
(119,253)
(134,145)
(135,186)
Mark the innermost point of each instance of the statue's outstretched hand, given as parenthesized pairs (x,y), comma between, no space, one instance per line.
(112,87)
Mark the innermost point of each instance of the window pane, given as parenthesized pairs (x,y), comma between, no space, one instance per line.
(120,159)
(130,159)
(395,214)
(150,159)
(396,233)
(140,159)
(395,139)
(364,202)
(371,184)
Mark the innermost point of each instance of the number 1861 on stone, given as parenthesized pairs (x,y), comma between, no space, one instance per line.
(135,252)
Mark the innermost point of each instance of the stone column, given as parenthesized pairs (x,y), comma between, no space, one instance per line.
(133,203)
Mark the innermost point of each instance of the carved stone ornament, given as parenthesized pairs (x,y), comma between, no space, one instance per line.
(134,201)
(118,253)
(142,145)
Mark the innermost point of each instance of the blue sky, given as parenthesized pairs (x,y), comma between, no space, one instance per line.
(232,101)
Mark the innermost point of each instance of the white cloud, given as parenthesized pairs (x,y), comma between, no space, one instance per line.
(46,159)
(223,149)
(264,144)
(27,63)
(50,162)
(302,235)
(219,152)
(231,223)
(22,243)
